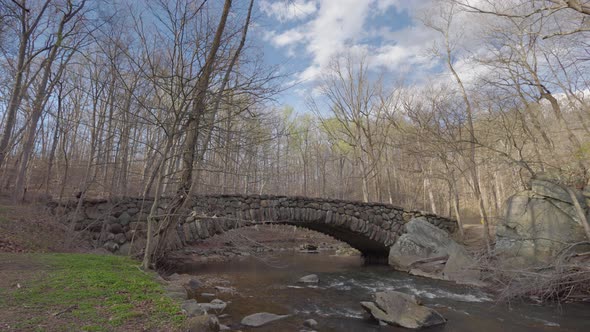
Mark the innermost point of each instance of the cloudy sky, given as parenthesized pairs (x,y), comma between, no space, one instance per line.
(304,35)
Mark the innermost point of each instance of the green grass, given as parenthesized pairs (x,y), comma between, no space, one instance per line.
(103,292)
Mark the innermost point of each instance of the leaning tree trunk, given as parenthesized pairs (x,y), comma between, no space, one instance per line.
(192,126)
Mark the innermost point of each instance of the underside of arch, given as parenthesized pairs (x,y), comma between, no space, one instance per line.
(367,246)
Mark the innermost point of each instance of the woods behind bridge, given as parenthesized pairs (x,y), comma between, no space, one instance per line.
(113,98)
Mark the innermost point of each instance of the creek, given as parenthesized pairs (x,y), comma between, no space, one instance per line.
(270,285)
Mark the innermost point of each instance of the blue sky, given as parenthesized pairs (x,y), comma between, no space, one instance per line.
(304,35)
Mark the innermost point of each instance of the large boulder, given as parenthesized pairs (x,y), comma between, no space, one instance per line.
(546,188)
(401,309)
(461,267)
(421,241)
(427,250)
(539,223)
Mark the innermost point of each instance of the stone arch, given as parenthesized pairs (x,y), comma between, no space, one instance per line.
(369,227)
(372,228)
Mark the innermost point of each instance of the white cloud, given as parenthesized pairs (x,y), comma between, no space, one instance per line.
(333,27)
(338,24)
(285,38)
(401,5)
(289,10)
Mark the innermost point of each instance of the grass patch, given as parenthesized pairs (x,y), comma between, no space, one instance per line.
(96,293)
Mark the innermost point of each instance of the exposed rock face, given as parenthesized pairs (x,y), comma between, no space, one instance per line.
(261,318)
(401,309)
(429,251)
(461,267)
(421,241)
(539,223)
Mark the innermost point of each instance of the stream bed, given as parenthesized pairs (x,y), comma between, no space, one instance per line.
(270,285)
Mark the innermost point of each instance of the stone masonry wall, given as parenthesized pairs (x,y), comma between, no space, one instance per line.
(370,227)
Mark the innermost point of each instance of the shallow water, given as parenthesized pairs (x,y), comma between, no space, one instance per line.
(272,286)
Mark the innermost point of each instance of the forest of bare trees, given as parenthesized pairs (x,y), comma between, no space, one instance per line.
(167,97)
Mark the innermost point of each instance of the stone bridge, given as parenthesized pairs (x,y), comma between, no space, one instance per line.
(369,227)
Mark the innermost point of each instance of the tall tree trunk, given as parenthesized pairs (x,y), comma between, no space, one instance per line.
(471,158)
(192,125)
(21,66)
(150,246)
(43,90)
(54,142)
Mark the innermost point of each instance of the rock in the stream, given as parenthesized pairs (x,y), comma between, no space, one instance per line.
(261,318)
(229,290)
(309,279)
(175,292)
(202,323)
(192,308)
(215,304)
(191,288)
(311,323)
(401,309)
(207,295)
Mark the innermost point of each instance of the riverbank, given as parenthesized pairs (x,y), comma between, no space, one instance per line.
(82,292)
